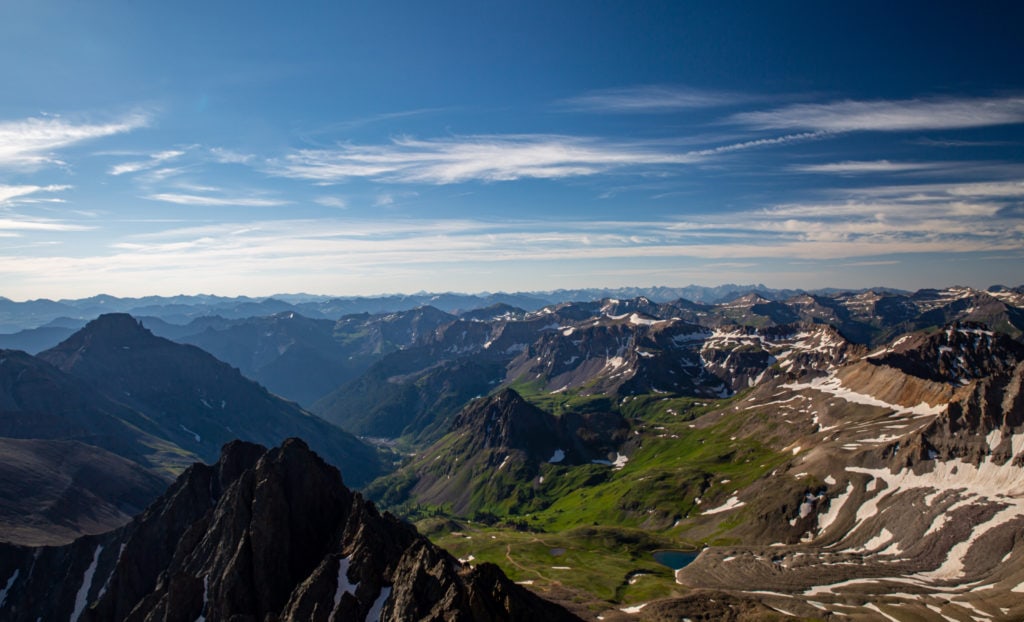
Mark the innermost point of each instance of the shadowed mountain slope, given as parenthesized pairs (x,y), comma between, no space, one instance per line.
(196,401)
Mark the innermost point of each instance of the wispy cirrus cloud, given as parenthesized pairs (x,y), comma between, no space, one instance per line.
(29,143)
(491,158)
(215,201)
(649,99)
(39,224)
(480,158)
(12,194)
(889,115)
(155,160)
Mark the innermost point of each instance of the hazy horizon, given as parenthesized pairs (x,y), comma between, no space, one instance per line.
(313,295)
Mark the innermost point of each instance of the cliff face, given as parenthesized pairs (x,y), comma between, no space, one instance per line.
(261,535)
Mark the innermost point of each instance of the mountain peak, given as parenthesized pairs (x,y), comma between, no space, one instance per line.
(263,535)
(117,323)
(110,330)
(505,419)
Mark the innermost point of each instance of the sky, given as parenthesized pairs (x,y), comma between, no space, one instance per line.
(360,148)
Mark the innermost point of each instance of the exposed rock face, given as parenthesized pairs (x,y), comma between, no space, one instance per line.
(263,536)
(958,353)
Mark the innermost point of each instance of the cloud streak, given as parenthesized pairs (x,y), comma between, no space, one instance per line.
(649,99)
(481,158)
(211,201)
(30,143)
(888,115)
(30,224)
(860,167)
(154,161)
(10,195)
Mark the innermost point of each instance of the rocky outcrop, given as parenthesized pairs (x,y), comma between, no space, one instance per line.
(263,536)
(495,445)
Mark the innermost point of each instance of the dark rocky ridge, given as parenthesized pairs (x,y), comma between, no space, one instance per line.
(263,536)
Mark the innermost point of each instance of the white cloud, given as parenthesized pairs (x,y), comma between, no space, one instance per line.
(988,191)
(10,194)
(196,199)
(649,99)
(30,224)
(854,167)
(154,161)
(228,156)
(752,144)
(331,201)
(31,142)
(889,115)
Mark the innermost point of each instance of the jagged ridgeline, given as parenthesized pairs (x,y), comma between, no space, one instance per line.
(260,535)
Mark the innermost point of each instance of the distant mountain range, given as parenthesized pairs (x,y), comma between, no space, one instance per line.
(17,316)
(310,360)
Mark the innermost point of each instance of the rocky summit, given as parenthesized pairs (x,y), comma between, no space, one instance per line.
(262,535)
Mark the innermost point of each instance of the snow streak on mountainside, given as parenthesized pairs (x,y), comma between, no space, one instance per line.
(911,500)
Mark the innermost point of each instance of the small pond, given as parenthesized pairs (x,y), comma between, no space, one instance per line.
(675,559)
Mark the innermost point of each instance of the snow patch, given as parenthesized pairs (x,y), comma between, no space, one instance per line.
(826,519)
(343,585)
(82,598)
(7,588)
(733,503)
(636,320)
(206,592)
(882,539)
(378,605)
(558,456)
(634,608)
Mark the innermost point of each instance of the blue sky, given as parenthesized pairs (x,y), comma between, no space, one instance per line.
(363,148)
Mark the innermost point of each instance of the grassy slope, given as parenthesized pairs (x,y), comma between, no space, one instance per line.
(609,521)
